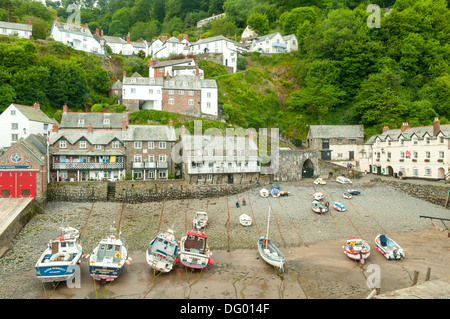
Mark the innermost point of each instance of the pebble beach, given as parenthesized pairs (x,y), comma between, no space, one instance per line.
(312,243)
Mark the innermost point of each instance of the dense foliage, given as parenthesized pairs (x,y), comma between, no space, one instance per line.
(344,72)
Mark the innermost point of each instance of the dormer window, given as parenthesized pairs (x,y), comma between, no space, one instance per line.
(80,121)
(427,140)
(106,121)
(402,141)
(414,141)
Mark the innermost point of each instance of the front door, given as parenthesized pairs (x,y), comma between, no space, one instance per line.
(230,178)
(351,155)
(325,155)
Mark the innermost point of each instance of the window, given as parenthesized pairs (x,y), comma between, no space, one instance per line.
(427,154)
(402,142)
(191,102)
(402,154)
(13,112)
(208,105)
(82,144)
(133,90)
(45,127)
(151,158)
(80,121)
(339,155)
(340,141)
(441,140)
(115,144)
(151,145)
(162,158)
(16,157)
(171,92)
(389,142)
(427,171)
(180,92)
(162,145)
(105,121)
(244,176)
(208,95)
(62,144)
(138,175)
(162,174)
(137,145)
(151,174)
(415,141)
(200,177)
(209,177)
(415,171)
(190,92)
(415,155)
(98,147)
(441,154)
(150,91)
(137,158)
(388,154)
(171,101)
(14,126)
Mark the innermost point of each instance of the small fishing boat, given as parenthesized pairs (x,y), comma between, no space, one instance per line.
(269,252)
(318,195)
(161,254)
(347,195)
(264,192)
(200,220)
(319,181)
(61,258)
(108,259)
(339,206)
(275,192)
(194,250)
(389,248)
(343,180)
(245,220)
(353,191)
(320,208)
(357,249)
(284,193)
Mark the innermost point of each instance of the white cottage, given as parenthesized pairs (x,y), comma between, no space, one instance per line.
(75,36)
(19,121)
(165,47)
(274,43)
(18,30)
(174,68)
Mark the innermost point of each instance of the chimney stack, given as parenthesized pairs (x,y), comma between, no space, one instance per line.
(183,130)
(37,105)
(101,33)
(29,21)
(128,38)
(85,25)
(197,72)
(436,126)
(124,123)
(185,36)
(90,127)
(97,31)
(65,108)
(124,74)
(55,128)
(179,38)
(405,126)
(56,18)
(385,128)
(170,123)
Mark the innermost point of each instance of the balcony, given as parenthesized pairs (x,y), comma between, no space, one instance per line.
(87,166)
(223,170)
(149,165)
(162,165)
(279,45)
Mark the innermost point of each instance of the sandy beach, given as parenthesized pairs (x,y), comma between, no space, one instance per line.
(316,267)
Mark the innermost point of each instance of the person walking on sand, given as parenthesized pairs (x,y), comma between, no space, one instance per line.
(237,204)
(243,202)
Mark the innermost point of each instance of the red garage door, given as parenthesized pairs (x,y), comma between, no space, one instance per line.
(17,184)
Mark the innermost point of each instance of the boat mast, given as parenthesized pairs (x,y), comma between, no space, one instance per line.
(267,232)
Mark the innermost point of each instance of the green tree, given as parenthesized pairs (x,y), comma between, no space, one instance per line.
(7,96)
(259,23)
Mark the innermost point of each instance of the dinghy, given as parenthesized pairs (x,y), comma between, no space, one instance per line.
(264,192)
(269,252)
(339,206)
(389,248)
(200,220)
(347,195)
(275,192)
(318,195)
(108,259)
(319,181)
(343,180)
(61,258)
(353,191)
(161,254)
(357,249)
(320,208)
(194,250)
(245,220)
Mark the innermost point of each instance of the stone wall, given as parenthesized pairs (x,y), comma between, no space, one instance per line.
(138,191)
(291,164)
(432,193)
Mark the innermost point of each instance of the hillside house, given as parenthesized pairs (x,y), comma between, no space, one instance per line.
(18,30)
(165,47)
(274,43)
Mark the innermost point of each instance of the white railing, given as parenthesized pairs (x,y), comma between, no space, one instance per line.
(87,166)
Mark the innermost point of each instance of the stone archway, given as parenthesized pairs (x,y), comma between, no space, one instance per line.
(308,169)
(441,173)
(390,171)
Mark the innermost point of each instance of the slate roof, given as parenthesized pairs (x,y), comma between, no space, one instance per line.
(173,62)
(16,26)
(33,113)
(70,120)
(336,131)
(97,137)
(408,133)
(111,39)
(149,133)
(68,27)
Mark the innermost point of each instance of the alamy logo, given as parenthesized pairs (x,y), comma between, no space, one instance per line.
(74,281)
(373,21)
(75,15)
(373,281)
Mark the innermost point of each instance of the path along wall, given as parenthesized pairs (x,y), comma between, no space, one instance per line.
(139,191)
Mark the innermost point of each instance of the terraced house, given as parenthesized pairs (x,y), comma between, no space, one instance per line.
(417,152)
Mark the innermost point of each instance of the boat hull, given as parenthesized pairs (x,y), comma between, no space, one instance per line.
(356,248)
(392,251)
(55,273)
(267,253)
(195,261)
(108,273)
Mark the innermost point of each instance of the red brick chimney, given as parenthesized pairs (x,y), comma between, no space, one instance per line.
(436,126)
(65,108)
(124,123)
(90,127)
(170,122)
(124,74)
(385,128)
(37,105)
(29,21)
(55,128)
(101,33)
(56,18)
(185,36)
(179,38)
(163,38)
(197,72)
(151,63)
(97,31)
(128,39)
(183,130)
(85,25)
(405,126)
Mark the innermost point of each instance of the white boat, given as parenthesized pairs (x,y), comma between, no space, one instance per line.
(194,250)
(200,220)
(264,192)
(61,258)
(318,195)
(357,249)
(269,252)
(245,220)
(347,195)
(108,259)
(339,206)
(389,248)
(319,181)
(320,208)
(161,254)
(343,180)
(353,191)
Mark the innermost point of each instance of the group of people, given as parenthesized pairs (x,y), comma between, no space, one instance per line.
(243,203)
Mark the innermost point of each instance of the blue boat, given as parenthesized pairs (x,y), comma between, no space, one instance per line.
(108,259)
(62,257)
(339,206)
(353,191)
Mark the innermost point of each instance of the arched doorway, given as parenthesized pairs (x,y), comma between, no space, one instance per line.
(441,173)
(390,171)
(308,169)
